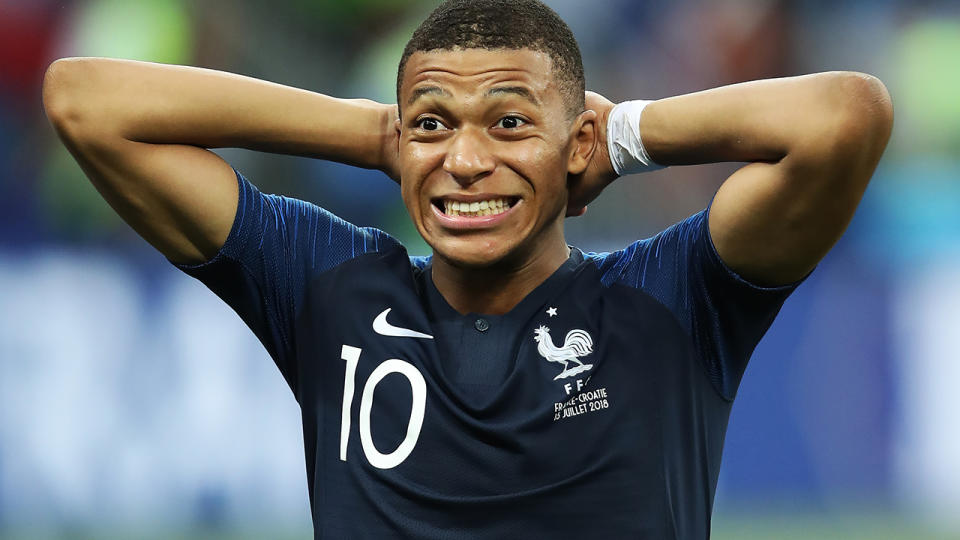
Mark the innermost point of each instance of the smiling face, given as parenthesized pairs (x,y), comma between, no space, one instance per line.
(486,143)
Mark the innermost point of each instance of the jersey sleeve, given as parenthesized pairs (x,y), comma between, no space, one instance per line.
(724,314)
(275,246)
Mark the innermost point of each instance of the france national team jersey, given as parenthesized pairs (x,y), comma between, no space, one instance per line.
(596,408)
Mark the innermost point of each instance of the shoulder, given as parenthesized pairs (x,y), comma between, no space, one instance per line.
(297,232)
(662,252)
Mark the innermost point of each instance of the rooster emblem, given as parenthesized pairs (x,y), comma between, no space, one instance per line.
(577,343)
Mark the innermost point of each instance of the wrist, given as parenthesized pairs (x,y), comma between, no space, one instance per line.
(624,142)
(604,165)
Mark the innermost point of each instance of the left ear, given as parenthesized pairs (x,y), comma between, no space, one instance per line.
(583,137)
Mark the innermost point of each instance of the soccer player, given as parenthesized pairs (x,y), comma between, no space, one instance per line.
(509,385)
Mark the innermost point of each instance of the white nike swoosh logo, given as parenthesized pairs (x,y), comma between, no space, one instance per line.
(382,327)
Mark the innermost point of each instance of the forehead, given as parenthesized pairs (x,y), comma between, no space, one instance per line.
(468,70)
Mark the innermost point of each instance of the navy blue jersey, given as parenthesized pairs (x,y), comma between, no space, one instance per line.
(596,406)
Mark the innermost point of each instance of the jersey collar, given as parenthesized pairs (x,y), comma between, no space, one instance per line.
(440,309)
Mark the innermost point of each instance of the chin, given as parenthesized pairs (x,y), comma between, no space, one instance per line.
(469,255)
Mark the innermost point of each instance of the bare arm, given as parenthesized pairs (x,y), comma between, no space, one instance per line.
(140,130)
(812,143)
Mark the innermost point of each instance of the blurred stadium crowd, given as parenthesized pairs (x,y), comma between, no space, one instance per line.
(129,395)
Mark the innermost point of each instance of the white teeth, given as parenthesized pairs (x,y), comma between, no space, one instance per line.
(489,207)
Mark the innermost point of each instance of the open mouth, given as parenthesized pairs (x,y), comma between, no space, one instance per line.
(479,208)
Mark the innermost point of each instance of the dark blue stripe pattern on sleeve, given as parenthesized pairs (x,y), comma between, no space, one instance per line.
(725,314)
(275,245)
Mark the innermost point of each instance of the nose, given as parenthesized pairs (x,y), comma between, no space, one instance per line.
(468,157)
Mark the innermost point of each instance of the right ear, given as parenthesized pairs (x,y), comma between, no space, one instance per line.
(396,166)
(390,148)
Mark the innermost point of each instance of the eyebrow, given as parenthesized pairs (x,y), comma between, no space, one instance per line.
(427,90)
(493,92)
(515,90)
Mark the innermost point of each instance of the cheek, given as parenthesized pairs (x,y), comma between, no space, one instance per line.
(536,154)
(410,179)
(411,191)
(549,169)
(414,155)
(407,191)
(542,166)
(417,161)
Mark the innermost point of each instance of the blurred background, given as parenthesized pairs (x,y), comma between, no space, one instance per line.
(134,404)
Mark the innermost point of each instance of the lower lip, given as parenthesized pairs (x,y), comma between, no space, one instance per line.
(471,222)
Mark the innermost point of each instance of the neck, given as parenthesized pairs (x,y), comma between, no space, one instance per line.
(496,289)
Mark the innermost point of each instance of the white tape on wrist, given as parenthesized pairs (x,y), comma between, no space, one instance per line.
(623,139)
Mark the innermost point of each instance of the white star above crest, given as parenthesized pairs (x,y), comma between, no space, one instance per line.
(552,311)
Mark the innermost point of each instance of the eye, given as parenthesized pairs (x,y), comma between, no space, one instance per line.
(429,123)
(510,122)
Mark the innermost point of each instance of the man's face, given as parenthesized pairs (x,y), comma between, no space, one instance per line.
(485,148)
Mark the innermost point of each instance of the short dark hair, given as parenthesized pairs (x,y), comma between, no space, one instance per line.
(503,24)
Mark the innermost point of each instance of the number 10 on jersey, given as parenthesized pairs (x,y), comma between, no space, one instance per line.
(418,388)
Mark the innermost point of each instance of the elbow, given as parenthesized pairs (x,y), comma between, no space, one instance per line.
(865,115)
(62,92)
(847,131)
(55,93)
